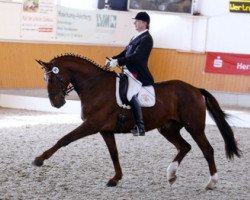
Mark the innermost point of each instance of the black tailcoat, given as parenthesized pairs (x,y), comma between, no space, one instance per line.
(135,57)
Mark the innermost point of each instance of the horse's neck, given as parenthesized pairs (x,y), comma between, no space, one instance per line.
(90,81)
(83,73)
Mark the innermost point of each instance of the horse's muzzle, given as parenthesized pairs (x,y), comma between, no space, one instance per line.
(57,102)
(58,105)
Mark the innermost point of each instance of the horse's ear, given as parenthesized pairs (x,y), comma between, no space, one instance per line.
(43,64)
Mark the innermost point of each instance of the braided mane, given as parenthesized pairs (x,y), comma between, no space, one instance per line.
(82,58)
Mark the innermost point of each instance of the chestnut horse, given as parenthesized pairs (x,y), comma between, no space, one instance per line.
(178,105)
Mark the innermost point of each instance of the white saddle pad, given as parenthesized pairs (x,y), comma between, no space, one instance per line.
(146,96)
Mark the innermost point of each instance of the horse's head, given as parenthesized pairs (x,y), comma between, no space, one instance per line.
(68,69)
(57,82)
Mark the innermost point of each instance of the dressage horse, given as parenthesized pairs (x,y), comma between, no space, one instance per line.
(178,105)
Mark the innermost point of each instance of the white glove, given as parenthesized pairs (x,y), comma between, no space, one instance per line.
(113,63)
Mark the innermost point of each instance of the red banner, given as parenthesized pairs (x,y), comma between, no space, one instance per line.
(228,63)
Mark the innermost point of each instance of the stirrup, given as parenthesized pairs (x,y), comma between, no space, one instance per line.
(137,132)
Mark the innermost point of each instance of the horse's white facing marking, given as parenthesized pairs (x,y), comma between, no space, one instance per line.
(212,182)
(172,168)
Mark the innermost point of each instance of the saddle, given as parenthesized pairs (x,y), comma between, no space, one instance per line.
(146,95)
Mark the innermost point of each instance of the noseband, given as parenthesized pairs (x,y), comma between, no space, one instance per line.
(65,91)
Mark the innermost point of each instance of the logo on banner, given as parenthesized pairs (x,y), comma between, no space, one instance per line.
(218,62)
(106,21)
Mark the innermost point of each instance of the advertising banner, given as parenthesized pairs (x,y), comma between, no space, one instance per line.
(91,27)
(228,63)
(74,24)
(38,19)
(239,6)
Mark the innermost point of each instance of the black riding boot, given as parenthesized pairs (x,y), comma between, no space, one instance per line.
(139,129)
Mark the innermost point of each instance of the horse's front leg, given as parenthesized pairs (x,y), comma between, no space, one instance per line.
(83,130)
(111,144)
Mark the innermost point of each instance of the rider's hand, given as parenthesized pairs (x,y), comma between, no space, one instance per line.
(112,63)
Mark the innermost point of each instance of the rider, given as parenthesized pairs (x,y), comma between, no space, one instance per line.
(134,59)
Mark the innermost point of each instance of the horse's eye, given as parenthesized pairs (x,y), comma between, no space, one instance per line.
(46,78)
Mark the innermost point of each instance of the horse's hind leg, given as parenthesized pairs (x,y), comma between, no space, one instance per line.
(111,144)
(208,152)
(171,131)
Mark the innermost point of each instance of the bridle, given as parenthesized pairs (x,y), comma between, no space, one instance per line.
(55,70)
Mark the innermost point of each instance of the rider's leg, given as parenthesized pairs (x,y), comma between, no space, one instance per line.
(134,87)
(139,129)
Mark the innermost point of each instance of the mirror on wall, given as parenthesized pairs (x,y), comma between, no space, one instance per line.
(179,6)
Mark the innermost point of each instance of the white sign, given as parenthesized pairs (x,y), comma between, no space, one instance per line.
(84,26)
(38,19)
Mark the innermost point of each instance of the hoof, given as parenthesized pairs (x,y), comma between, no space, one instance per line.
(210,186)
(172,179)
(112,183)
(171,171)
(212,182)
(37,162)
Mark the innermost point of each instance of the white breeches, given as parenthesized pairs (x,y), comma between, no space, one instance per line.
(134,86)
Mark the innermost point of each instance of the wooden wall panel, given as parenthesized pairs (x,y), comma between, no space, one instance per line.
(189,67)
(18,68)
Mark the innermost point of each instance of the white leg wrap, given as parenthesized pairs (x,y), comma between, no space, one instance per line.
(172,168)
(212,182)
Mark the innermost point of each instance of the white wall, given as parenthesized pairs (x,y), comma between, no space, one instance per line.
(213,7)
(79,4)
(216,29)
(226,32)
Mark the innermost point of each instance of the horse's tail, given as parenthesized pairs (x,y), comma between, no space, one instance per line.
(219,117)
